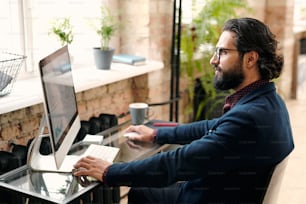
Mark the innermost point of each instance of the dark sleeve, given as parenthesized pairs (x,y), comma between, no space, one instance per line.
(196,159)
(191,161)
(183,134)
(245,136)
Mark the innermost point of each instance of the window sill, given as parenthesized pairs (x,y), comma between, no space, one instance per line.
(28,92)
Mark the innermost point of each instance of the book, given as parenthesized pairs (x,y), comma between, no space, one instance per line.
(129,59)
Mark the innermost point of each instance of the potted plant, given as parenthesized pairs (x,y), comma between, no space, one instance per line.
(62,29)
(197,45)
(106,29)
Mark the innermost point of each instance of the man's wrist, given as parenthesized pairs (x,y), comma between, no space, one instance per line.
(104,175)
(153,137)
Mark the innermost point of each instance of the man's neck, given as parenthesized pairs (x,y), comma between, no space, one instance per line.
(246,83)
(231,100)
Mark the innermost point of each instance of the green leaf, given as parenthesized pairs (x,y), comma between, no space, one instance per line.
(204,32)
(62,28)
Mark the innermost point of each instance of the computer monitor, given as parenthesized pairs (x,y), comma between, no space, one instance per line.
(61,113)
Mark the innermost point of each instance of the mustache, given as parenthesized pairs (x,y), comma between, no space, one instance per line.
(217,68)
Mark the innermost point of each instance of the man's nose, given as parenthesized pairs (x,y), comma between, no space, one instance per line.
(214,59)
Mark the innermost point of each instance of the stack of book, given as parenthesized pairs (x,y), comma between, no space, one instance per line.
(129,59)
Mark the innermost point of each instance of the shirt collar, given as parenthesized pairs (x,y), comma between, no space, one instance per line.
(231,100)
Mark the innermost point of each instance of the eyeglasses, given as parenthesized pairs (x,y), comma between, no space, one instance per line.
(222,50)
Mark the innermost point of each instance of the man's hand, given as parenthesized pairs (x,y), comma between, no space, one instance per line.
(91,166)
(144,133)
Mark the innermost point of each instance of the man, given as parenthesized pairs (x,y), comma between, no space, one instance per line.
(225,160)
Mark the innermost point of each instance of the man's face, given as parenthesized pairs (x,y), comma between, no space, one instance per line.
(227,63)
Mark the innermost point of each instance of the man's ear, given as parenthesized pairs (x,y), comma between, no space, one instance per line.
(251,58)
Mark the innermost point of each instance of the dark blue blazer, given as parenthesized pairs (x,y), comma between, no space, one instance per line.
(225,160)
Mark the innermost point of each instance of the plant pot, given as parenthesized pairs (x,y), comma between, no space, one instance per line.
(103,58)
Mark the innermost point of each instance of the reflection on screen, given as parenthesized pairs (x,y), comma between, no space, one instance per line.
(60,97)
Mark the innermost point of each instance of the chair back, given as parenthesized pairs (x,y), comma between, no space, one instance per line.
(275,182)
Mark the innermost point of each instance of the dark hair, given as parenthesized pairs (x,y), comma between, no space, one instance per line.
(251,34)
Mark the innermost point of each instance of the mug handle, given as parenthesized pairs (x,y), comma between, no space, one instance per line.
(150,113)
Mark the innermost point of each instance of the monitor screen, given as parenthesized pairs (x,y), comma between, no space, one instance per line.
(60,102)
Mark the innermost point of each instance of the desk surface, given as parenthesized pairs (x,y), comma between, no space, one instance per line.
(64,187)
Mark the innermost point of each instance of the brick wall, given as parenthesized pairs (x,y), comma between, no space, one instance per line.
(23,124)
(19,125)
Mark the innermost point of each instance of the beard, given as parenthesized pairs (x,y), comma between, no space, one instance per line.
(229,79)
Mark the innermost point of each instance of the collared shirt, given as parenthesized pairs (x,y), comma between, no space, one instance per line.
(231,100)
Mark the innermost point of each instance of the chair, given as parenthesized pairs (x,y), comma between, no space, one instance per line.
(275,182)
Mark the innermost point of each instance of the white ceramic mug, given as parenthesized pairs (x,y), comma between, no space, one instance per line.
(138,112)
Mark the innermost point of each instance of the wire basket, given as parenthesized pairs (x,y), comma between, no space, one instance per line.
(9,67)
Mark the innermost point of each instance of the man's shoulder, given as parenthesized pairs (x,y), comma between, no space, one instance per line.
(260,94)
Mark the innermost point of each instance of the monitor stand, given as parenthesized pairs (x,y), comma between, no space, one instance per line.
(38,162)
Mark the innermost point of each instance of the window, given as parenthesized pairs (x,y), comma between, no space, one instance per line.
(27,26)
(300,13)
(190,9)
(11,27)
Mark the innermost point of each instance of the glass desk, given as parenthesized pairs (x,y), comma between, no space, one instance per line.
(29,186)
